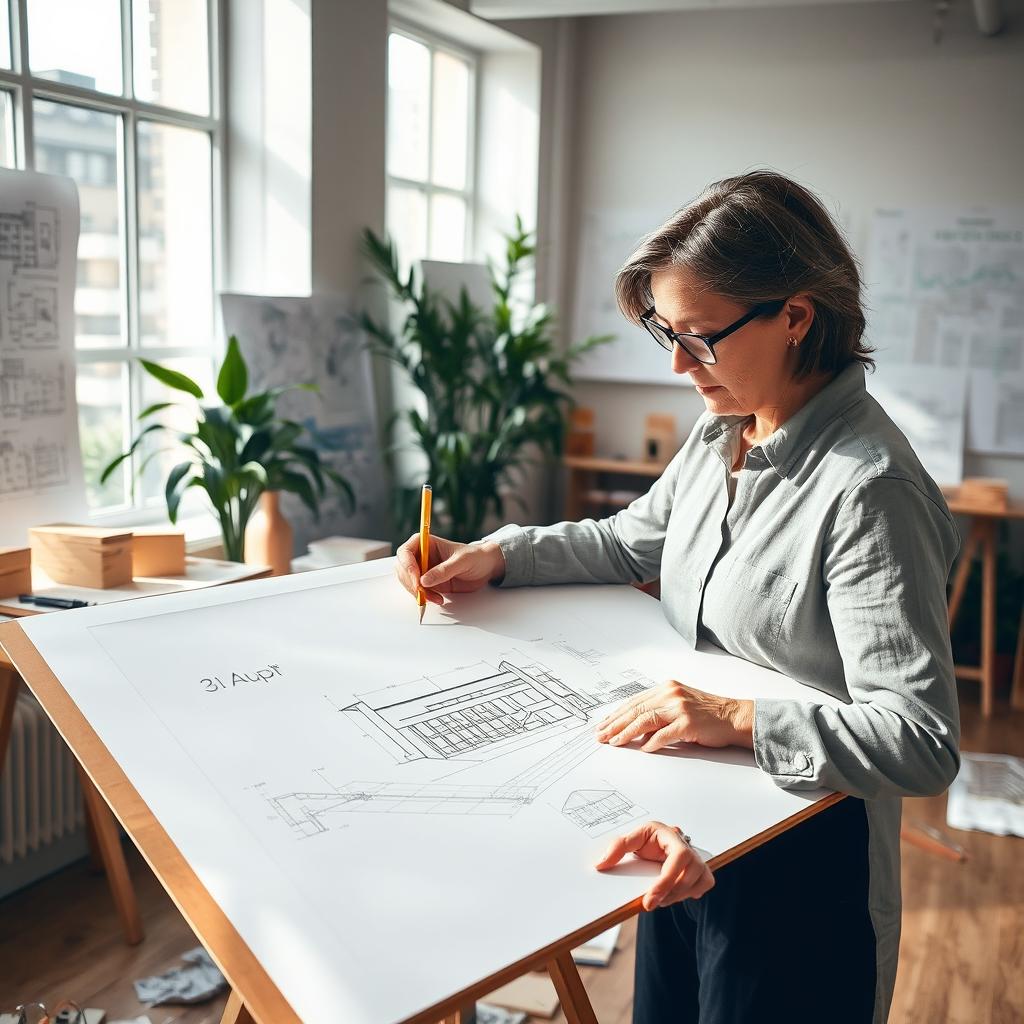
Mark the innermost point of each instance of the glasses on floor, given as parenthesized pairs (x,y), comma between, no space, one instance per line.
(64,1013)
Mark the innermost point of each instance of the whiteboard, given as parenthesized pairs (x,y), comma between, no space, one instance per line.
(352,788)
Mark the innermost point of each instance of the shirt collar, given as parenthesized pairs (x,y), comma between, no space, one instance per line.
(782,448)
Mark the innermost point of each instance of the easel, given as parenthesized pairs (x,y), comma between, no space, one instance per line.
(102,832)
(255,997)
(566,978)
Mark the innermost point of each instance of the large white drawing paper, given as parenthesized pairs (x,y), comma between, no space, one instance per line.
(40,461)
(390,812)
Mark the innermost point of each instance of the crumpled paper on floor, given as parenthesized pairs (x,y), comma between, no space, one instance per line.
(196,982)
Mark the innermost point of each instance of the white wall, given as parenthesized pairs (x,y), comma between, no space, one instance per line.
(854,100)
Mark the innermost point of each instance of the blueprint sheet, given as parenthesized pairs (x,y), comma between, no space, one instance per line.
(40,461)
(390,812)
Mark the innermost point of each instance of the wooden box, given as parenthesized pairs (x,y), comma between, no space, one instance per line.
(83,556)
(15,571)
(158,552)
(660,437)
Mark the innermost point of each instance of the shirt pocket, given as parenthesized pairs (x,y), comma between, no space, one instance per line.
(760,599)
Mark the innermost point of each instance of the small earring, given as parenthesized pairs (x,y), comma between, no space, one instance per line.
(791,342)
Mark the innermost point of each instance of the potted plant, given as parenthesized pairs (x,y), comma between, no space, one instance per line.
(492,382)
(238,453)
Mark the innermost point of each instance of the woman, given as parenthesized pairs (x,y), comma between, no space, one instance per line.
(797,529)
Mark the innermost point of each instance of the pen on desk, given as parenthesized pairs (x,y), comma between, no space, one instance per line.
(53,602)
(425,498)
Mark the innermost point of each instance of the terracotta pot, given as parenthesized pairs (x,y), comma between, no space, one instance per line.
(268,537)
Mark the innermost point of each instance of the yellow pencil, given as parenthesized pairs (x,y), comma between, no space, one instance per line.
(424,544)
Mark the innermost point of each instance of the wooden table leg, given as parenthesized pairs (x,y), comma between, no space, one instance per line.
(108,839)
(963,568)
(235,1011)
(988,620)
(9,683)
(571,993)
(1017,691)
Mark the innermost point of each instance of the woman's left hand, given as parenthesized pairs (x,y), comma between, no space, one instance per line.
(684,875)
(674,713)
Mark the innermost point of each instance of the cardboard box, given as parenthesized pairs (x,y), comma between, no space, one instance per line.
(15,571)
(158,552)
(83,556)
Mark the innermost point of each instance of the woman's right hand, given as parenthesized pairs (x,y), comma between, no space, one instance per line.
(454,568)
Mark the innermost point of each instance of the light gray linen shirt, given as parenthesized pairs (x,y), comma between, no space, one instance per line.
(829,566)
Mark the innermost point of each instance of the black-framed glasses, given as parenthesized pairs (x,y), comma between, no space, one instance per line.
(702,346)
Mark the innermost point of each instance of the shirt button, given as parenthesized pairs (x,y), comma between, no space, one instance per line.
(800,762)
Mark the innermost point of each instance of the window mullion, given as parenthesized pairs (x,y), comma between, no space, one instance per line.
(24,139)
(127,52)
(430,151)
(130,251)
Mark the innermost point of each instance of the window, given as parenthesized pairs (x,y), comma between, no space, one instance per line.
(120,95)
(431,88)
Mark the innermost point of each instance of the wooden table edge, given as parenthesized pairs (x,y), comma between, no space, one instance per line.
(245,974)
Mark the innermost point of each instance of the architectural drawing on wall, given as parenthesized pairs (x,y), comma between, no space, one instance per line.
(32,319)
(28,465)
(286,340)
(597,811)
(40,458)
(496,705)
(308,812)
(31,389)
(945,294)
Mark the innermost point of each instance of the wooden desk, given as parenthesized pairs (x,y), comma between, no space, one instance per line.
(101,829)
(584,470)
(981,539)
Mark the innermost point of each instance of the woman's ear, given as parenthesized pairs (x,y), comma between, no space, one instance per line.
(799,315)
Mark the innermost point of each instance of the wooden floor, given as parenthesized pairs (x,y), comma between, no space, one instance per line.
(962,956)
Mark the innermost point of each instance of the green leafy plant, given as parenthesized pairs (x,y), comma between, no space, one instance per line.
(236,451)
(493,382)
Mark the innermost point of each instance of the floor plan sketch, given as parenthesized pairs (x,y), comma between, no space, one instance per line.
(597,811)
(30,389)
(40,453)
(32,318)
(497,705)
(28,465)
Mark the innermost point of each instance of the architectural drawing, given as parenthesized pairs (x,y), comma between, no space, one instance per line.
(40,456)
(307,812)
(28,465)
(498,705)
(597,811)
(31,389)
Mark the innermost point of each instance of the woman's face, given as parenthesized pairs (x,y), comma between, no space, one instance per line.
(755,365)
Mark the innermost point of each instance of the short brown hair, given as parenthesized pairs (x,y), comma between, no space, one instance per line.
(753,238)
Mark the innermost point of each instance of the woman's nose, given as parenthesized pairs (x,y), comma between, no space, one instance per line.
(682,361)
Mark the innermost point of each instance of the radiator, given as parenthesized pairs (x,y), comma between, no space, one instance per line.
(42,820)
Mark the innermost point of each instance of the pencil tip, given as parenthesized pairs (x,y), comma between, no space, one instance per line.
(423,608)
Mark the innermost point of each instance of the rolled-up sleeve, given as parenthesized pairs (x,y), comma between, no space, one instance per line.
(623,548)
(885,564)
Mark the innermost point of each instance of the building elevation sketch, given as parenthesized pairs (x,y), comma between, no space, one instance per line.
(597,811)
(500,704)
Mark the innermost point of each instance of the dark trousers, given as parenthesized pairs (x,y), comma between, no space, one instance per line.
(784,935)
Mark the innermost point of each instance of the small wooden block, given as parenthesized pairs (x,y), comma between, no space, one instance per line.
(158,552)
(580,438)
(83,556)
(15,571)
(660,442)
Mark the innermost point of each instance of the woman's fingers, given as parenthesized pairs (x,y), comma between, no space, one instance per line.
(408,564)
(646,721)
(693,885)
(632,842)
(674,868)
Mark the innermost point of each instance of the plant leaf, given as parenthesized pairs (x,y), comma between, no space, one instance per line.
(233,379)
(172,378)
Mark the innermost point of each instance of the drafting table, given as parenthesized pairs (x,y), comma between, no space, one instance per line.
(233,732)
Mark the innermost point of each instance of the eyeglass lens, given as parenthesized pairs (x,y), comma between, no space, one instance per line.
(692,344)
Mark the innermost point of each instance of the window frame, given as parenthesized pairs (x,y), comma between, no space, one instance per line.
(435,42)
(25,88)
